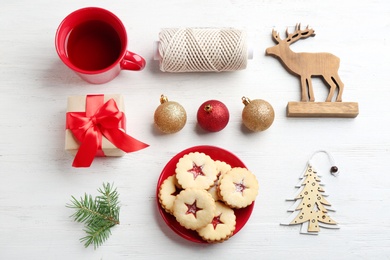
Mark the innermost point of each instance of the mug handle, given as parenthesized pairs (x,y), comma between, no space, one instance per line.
(132,61)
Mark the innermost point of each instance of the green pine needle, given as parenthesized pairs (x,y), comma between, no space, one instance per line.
(98,214)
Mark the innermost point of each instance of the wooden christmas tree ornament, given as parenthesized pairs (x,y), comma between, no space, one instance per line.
(306,65)
(311,208)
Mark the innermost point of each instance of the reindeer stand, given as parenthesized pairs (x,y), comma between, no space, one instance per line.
(306,65)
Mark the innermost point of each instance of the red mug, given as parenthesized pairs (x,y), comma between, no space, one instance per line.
(93,42)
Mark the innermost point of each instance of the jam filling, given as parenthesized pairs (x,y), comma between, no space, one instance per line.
(192,208)
(177,191)
(240,187)
(216,220)
(196,170)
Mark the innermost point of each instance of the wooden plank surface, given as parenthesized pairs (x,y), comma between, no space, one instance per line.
(38,180)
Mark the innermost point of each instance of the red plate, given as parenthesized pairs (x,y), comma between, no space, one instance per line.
(242,215)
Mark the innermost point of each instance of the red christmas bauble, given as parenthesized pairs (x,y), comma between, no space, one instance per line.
(213,116)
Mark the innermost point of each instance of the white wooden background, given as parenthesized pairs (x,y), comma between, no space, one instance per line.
(37,179)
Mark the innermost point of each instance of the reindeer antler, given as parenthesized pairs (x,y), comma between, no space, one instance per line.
(299,34)
(275,36)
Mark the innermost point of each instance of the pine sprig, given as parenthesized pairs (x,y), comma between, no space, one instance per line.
(99,214)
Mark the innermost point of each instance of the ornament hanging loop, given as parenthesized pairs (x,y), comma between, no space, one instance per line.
(163,99)
(334,170)
(245,100)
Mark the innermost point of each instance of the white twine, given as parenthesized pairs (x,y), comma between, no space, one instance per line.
(330,157)
(202,49)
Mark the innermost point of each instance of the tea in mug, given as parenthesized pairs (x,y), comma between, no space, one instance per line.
(93,45)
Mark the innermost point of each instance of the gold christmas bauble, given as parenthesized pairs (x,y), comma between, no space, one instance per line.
(257,115)
(169,117)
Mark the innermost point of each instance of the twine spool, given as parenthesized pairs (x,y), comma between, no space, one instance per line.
(202,49)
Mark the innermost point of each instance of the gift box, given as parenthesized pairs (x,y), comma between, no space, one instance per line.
(96,126)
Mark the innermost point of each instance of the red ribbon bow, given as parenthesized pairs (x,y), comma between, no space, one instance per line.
(99,119)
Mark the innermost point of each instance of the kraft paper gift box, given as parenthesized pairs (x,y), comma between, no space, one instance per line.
(83,114)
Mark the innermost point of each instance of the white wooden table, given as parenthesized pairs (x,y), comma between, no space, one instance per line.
(38,180)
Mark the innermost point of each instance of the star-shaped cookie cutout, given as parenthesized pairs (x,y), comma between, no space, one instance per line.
(216,220)
(192,208)
(240,187)
(196,170)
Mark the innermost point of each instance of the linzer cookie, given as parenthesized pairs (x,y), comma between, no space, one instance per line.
(196,170)
(238,187)
(221,227)
(167,193)
(194,208)
(222,168)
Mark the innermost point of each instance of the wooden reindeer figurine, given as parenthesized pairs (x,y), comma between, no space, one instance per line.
(306,65)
